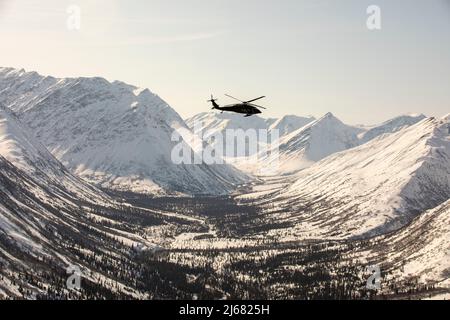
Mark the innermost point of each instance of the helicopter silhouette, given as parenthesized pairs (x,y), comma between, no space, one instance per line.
(245,107)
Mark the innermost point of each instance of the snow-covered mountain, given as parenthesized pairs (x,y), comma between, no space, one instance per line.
(419,251)
(20,149)
(390,126)
(36,191)
(51,219)
(208,123)
(370,189)
(210,126)
(111,134)
(251,159)
(318,139)
(313,142)
(302,140)
(290,123)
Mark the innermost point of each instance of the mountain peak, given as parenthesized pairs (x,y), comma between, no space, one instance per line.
(328,117)
(315,141)
(144,92)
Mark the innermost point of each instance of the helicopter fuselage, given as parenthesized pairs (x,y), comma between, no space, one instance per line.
(243,108)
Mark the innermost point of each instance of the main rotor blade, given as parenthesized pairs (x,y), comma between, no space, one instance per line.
(255,105)
(234,98)
(255,99)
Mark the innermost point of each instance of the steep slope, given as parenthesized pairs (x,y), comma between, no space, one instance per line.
(111,134)
(390,126)
(43,210)
(50,220)
(35,188)
(419,251)
(18,147)
(313,142)
(371,189)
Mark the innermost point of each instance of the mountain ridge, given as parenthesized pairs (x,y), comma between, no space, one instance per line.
(370,189)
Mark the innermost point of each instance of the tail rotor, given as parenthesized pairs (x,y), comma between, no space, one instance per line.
(213,101)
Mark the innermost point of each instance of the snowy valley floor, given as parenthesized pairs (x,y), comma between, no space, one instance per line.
(208,248)
(239,260)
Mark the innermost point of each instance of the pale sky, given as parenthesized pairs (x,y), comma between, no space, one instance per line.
(308,57)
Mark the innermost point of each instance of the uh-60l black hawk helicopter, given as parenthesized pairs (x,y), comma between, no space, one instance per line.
(245,107)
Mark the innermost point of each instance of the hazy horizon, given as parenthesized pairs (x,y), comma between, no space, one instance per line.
(307,57)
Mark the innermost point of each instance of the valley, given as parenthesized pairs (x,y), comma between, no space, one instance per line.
(215,253)
(87,183)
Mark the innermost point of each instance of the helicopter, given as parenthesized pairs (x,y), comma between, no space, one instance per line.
(246,107)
